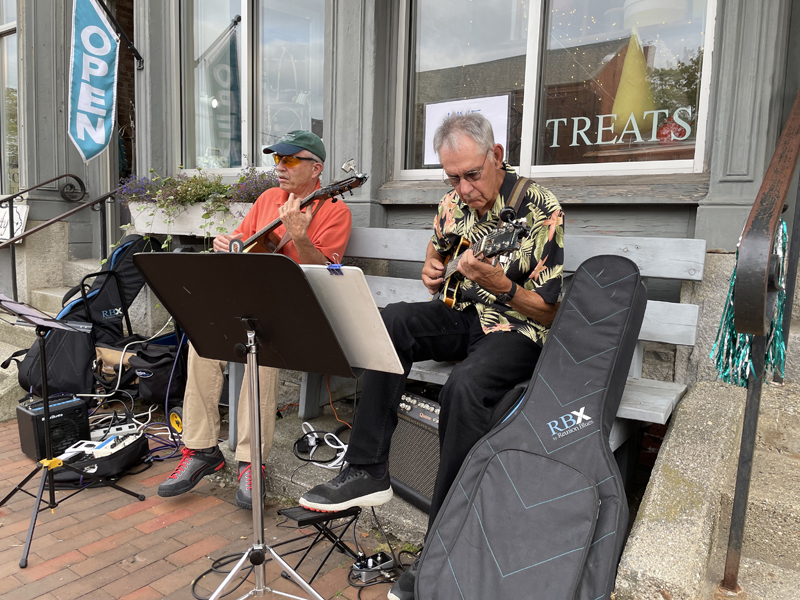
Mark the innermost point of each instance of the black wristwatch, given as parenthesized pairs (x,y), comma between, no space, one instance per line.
(506,298)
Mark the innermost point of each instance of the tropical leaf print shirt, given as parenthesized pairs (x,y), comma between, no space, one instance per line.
(537,265)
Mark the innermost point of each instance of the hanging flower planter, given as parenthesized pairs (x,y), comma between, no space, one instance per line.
(200,205)
(147,217)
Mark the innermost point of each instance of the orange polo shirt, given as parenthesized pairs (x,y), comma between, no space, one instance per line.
(329,230)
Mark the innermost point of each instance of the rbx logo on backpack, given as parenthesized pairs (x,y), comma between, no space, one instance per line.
(569,423)
(113,312)
(143,373)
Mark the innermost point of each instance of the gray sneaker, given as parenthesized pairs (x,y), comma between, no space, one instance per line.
(244,495)
(194,465)
(351,487)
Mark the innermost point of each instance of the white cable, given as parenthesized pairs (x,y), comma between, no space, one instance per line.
(330,440)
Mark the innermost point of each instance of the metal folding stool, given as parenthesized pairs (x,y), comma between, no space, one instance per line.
(320,521)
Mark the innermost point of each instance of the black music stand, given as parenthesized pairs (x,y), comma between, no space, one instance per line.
(258,305)
(30,317)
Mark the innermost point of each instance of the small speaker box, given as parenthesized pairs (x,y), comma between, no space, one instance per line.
(414,453)
(69,423)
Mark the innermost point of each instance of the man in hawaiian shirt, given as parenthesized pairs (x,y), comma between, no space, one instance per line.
(496,328)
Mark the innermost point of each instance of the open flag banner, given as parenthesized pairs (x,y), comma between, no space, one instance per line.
(92,79)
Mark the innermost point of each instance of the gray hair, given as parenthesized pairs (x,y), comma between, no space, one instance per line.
(474,125)
(309,154)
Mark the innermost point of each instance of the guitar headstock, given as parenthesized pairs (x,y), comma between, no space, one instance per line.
(338,188)
(502,240)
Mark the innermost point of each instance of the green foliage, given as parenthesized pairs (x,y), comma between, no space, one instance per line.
(679,86)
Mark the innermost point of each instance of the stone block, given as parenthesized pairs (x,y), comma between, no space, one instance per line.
(40,258)
(671,539)
(693,364)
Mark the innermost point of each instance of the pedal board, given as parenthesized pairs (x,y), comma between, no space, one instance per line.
(85,448)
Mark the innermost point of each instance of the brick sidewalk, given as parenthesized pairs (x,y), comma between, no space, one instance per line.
(104,544)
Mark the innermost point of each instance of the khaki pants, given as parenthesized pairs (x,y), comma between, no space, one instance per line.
(201,412)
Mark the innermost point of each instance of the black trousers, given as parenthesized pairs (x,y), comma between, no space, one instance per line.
(491,365)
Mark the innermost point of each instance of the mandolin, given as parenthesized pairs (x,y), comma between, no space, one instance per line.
(266,240)
(496,245)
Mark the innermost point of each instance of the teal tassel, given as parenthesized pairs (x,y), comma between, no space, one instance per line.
(733,351)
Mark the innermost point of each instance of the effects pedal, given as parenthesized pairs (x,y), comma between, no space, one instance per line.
(368,568)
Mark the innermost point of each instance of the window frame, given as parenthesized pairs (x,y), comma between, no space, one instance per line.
(247,77)
(7,30)
(532,110)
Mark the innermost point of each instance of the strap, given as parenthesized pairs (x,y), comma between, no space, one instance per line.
(519,192)
(7,362)
(287,238)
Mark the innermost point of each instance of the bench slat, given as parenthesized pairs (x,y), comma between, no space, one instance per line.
(643,399)
(388,244)
(650,400)
(665,258)
(665,322)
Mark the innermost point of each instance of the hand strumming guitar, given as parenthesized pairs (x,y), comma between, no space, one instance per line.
(432,270)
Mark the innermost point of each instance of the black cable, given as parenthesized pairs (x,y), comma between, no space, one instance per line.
(386,539)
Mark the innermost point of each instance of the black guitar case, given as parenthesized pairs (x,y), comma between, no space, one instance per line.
(538,509)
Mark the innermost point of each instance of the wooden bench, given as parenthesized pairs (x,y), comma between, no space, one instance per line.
(643,400)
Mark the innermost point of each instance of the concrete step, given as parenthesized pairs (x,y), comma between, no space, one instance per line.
(15,336)
(48,300)
(764,581)
(772,527)
(75,270)
(779,419)
(759,581)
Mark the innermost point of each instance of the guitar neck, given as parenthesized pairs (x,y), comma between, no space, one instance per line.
(274,224)
(452,265)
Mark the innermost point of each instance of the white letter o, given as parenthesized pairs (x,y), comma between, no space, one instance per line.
(86,38)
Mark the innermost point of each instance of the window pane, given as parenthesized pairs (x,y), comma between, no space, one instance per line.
(212,127)
(291,59)
(9,11)
(8,128)
(621,80)
(473,52)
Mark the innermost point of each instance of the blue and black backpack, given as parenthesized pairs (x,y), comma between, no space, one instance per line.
(104,303)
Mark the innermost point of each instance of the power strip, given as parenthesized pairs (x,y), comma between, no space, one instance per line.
(114,444)
(101,434)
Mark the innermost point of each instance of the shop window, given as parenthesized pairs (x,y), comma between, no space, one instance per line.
(621,81)
(567,84)
(467,56)
(251,72)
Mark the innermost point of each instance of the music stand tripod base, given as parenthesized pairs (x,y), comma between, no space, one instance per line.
(256,554)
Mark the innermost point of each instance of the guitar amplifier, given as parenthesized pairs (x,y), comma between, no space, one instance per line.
(414,453)
(69,423)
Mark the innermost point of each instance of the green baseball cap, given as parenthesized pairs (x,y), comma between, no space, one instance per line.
(295,141)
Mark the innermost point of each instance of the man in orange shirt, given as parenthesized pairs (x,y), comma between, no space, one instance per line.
(315,236)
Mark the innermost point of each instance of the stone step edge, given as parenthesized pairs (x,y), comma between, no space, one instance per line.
(672,537)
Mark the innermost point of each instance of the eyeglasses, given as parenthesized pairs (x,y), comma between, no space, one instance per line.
(471,176)
(290,161)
